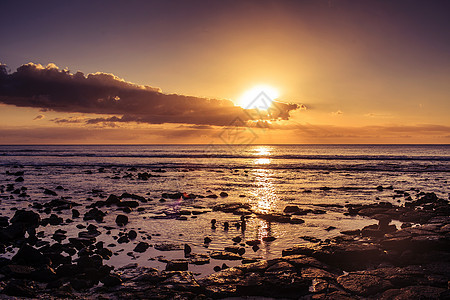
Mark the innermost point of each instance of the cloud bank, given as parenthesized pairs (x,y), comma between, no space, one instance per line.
(50,88)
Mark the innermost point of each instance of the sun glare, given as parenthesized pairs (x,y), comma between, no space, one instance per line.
(260,97)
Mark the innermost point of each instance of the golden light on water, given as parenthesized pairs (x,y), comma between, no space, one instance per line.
(264,192)
(263,229)
(262,161)
(262,151)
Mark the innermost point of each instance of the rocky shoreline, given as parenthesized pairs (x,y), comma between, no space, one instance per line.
(376,262)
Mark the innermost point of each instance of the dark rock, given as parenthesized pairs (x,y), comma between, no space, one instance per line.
(132,234)
(80,243)
(223,194)
(416,292)
(19,179)
(167,247)
(94,261)
(112,199)
(177,265)
(123,239)
(81,284)
(18,271)
(235,208)
(225,255)
(111,280)
(105,253)
(207,240)
(296,221)
(291,209)
(237,239)
(54,220)
(280,267)
(28,255)
(233,249)
(18,289)
(44,274)
(67,270)
(253,242)
(363,284)
(316,273)
(133,196)
(4,221)
(129,204)
(94,214)
(372,231)
(351,232)
(274,217)
(50,192)
(60,204)
(59,236)
(198,259)
(27,217)
(75,213)
(127,209)
(187,250)
(121,220)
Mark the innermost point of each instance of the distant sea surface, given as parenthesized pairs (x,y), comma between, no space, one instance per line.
(268,177)
(407,158)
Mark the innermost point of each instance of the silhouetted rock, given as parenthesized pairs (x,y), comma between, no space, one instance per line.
(121,220)
(50,192)
(177,265)
(224,255)
(26,217)
(111,280)
(28,255)
(18,289)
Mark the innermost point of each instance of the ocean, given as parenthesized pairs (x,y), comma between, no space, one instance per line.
(323,178)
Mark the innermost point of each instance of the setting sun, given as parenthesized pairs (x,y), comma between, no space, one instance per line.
(260,97)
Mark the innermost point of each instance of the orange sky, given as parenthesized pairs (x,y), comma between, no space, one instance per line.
(352,71)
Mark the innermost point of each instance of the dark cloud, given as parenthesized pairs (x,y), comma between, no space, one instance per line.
(50,88)
(38,117)
(70,120)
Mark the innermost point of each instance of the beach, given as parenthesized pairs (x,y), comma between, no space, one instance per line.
(217,221)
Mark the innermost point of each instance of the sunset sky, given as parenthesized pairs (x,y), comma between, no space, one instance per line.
(138,72)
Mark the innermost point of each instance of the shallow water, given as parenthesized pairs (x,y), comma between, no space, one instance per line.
(266,177)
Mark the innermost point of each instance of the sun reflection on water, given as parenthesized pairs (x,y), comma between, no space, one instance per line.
(262,151)
(262,161)
(263,229)
(264,192)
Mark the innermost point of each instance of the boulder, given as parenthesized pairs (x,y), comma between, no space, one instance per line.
(27,217)
(224,255)
(28,255)
(363,284)
(111,280)
(121,220)
(177,265)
